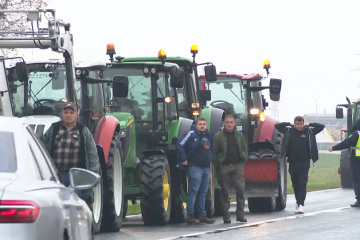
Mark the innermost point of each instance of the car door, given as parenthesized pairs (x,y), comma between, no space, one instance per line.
(73,210)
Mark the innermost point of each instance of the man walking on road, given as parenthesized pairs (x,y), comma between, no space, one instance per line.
(70,144)
(230,155)
(300,147)
(353,141)
(195,151)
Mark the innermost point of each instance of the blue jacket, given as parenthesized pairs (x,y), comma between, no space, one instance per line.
(195,148)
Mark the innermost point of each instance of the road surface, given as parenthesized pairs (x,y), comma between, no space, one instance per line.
(327,216)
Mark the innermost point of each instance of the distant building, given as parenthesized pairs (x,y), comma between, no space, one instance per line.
(328,119)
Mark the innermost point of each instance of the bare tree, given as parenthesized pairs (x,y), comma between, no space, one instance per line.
(11,22)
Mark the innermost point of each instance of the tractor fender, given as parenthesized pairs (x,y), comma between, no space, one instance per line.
(267,129)
(184,128)
(102,163)
(217,117)
(104,133)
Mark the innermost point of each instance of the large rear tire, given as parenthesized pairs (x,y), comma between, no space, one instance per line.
(282,174)
(126,204)
(155,190)
(97,204)
(345,170)
(114,197)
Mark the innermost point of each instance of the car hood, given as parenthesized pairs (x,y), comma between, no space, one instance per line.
(6,180)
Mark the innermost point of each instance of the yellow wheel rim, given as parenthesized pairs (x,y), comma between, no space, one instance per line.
(166,191)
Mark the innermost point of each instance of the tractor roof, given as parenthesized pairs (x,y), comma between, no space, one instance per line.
(155,59)
(167,64)
(253,76)
(91,64)
(12,64)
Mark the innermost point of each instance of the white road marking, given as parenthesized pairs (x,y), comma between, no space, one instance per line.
(256,223)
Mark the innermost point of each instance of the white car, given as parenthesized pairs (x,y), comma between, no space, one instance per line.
(34,205)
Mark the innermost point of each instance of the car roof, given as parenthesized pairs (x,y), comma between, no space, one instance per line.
(25,168)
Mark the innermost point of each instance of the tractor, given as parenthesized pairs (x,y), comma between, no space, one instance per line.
(37,91)
(265,171)
(151,124)
(353,114)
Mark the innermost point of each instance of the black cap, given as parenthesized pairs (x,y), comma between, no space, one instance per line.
(70,105)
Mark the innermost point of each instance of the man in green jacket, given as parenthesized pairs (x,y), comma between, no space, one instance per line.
(230,155)
(70,144)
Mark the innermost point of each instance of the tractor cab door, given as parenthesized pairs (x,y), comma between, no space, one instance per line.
(187,94)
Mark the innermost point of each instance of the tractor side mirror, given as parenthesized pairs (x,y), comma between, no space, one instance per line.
(177,77)
(120,86)
(339,113)
(210,73)
(205,95)
(275,89)
(21,72)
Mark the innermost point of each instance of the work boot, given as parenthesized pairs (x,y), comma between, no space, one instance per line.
(203,219)
(356,204)
(227,219)
(190,219)
(241,218)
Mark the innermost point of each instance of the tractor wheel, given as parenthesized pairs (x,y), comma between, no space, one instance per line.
(97,204)
(155,190)
(126,204)
(282,176)
(178,212)
(345,170)
(262,204)
(218,211)
(114,197)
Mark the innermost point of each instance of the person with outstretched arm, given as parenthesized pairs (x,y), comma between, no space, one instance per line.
(300,147)
(353,141)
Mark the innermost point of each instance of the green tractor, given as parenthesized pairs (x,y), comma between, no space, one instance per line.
(150,126)
(353,114)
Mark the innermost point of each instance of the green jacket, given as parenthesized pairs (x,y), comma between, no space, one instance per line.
(220,148)
(89,147)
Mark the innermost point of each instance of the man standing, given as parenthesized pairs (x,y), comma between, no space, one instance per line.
(70,144)
(195,151)
(300,147)
(353,141)
(230,155)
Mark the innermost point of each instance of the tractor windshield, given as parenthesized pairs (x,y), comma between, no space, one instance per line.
(46,89)
(229,95)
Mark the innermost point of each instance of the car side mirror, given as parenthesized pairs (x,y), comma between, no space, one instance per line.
(120,86)
(21,72)
(339,113)
(210,73)
(177,77)
(83,179)
(275,89)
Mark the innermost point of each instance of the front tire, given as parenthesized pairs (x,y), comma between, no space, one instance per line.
(155,190)
(97,204)
(114,197)
(345,170)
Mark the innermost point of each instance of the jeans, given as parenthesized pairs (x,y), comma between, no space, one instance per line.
(232,174)
(83,194)
(198,186)
(299,172)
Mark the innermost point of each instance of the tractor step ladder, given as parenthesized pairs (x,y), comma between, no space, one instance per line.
(42,38)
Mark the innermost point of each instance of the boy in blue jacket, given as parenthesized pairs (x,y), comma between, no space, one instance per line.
(195,152)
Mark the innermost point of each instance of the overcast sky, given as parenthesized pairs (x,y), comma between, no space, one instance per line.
(311,45)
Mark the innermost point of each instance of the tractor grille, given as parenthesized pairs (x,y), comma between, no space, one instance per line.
(38,129)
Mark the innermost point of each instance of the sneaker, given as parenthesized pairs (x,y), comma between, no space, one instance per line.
(190,219)
(296,208)
(356,204)
(301,209)
(203,219)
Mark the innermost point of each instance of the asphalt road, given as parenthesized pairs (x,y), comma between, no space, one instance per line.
(327,216)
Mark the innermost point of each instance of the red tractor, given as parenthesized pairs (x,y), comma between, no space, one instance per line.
(265,171)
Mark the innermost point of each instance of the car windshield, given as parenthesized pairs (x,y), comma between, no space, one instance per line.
(138,101)
(46,87)
(229,95)
(7,150)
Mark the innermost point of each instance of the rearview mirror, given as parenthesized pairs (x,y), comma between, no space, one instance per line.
(177,77)
(120,86)
(275,89)
(339,113)
(21,72)
(228,85)
(210,73)
(58,80)
(83,179)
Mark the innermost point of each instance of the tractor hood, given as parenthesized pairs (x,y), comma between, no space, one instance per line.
(40,124)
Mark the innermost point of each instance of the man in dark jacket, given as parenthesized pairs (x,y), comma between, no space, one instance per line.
(353,141)
(195,151)
(300,147)
(70,144)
